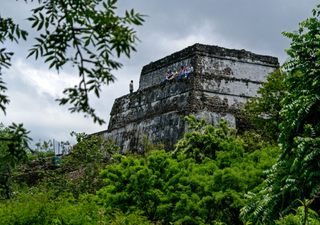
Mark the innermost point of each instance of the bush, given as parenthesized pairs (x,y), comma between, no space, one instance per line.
(207,141)
(300,217)
(190,190)
(31,157)
(44,208)
(88,157)
(49,154)
(148,147)
(202,182)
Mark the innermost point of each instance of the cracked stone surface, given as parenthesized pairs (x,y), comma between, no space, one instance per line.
(222,81)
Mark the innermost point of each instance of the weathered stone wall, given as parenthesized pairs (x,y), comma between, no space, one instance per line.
(158,111)
(223,80)
(153,77)
(213,61)
(148,103)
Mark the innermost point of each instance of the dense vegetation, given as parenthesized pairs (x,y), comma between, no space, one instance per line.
(160,188)
(295,178)
(213,176)
(13,150)
(184,188)
(263,111)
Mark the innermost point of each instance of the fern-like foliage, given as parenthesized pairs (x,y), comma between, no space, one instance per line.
(296,173)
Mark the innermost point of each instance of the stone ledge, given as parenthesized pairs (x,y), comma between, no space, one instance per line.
(214,51)
(182,87)
(223,80)
(185,102)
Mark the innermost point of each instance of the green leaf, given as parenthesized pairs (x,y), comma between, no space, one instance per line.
(87,42)
(49,58)
(35,22)
(96,91)
(40,25)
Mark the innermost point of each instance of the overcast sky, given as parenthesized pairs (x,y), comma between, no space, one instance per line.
(253,25)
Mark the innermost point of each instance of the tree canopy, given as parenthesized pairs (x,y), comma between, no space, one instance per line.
(86,31)
(83,33)
(13,150)
(295,178)
(263,110)
(189,187)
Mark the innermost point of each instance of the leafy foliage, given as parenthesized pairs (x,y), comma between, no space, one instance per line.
(77,27)
(93,34)
(44,208)
(159,187)
(303,216)
(184,189)
(253,141)
(11,31)
(148,147)
(13,150)
(264,110)
(88,157)
(204,142)
(68,27)
(296,175)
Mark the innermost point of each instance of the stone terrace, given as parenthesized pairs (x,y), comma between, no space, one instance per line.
(223,80)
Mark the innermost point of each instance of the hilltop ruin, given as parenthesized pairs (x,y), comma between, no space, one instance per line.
(222,81)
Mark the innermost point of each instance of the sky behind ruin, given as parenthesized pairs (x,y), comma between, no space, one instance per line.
(253,25)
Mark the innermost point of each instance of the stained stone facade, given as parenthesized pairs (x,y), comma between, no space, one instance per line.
(222,81)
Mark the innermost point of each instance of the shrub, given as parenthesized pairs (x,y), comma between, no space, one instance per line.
(207,141)
(148,147)
(45,208)
(49,154)
(185,191)
(202,182)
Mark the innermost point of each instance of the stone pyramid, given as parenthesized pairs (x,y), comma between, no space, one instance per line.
(222,81)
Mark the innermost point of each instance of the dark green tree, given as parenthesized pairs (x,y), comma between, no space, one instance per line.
(13,150)
(263,111)
(296,175)
(11,31)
